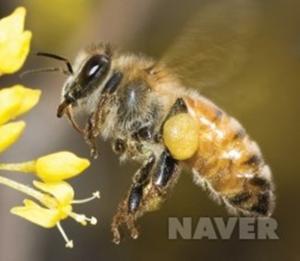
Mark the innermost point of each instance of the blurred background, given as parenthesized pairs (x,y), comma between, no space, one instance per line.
(242,54)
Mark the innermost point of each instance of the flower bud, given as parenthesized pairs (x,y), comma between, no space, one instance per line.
(60,166)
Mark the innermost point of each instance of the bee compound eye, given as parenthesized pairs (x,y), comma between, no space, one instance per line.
(119,146)
(94,68)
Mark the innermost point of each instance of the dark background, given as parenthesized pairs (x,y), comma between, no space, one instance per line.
(254,75)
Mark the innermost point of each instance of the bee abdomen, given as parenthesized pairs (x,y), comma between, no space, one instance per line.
(256,204)
(229,163)
(251,196)
(257,198)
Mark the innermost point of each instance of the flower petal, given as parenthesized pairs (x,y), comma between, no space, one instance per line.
(36,214)
(14,23)
(16,100)
(60,166)
(14,43)
(13,53)
(30,97)
(62,191)
(10,101)
(10,133)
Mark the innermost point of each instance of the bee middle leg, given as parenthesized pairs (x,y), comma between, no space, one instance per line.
(150,186)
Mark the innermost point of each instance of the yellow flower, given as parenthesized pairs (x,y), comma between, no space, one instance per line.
(14,101)
(56,205)
(14,41)
(55,197)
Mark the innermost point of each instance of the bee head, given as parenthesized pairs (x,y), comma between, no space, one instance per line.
(90,69)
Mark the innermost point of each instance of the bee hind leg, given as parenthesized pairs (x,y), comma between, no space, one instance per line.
(178,107)
(146,193)
(126,213)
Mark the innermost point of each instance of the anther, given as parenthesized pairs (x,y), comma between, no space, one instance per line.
(83,220)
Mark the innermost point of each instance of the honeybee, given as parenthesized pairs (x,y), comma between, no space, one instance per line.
(130,99)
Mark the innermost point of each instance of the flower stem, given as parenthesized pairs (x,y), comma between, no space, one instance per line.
(25,167)
(43,198)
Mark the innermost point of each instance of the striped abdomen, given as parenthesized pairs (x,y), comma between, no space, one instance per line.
(229,163)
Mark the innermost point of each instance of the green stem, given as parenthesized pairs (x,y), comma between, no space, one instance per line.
(43,198)
(25,167)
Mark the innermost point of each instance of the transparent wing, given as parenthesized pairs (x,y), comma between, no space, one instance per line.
(212,47)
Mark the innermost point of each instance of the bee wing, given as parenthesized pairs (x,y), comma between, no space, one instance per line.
(213,45)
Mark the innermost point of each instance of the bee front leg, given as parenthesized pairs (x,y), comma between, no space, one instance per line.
(90,137)
(93,126)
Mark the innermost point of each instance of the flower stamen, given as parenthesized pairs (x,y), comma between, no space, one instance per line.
(69,243)
(83,219)
(95,195)
(93,221)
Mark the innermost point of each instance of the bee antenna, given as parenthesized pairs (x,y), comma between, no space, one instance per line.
(57,57)
(50,69)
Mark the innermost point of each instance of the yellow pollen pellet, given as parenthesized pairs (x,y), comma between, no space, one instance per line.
(181,136)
